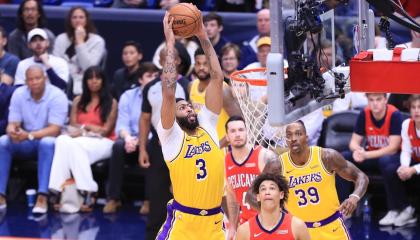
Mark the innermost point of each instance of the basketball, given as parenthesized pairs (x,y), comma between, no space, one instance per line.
(186,19)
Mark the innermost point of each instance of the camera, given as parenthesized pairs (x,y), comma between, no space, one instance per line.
(304,76)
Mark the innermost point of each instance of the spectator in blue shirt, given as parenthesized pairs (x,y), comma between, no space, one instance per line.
(125,148)
(37,112)
(8,64)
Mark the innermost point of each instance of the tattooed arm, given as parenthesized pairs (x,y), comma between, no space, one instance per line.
(334,162)
(266,156)
(169,75)
(214,91)
(233,210)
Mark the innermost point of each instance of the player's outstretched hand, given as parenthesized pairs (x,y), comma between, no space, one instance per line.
(348,206)
(167,28)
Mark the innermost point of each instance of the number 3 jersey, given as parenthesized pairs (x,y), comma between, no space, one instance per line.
(312,192)
(240,177)
(195,163)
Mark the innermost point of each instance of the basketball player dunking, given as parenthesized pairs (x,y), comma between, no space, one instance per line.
(191,150)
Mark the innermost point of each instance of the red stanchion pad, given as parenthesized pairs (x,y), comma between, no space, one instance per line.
(393,76)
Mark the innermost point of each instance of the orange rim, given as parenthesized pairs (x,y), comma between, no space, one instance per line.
(253,81)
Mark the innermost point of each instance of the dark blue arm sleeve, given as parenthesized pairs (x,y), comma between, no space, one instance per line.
(56,80)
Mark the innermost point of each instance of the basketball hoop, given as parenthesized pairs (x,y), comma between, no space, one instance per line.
(250,89)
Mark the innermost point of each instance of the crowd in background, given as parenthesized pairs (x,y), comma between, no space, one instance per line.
(57,105)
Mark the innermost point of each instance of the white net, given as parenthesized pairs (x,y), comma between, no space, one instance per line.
(250,89)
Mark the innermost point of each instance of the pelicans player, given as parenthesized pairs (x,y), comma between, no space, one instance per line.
(310,172)
(191,150)
(272,223)
(243,164)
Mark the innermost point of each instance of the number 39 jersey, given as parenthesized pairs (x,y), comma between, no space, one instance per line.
(312,192)
(197,172)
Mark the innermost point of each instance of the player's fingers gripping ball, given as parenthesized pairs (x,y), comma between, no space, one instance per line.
(186,19)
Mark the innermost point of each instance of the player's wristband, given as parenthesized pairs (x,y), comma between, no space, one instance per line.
(355,195)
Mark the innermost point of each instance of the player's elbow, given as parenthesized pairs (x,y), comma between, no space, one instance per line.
(363,178)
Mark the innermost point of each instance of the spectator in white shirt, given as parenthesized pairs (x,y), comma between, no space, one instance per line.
(54,67)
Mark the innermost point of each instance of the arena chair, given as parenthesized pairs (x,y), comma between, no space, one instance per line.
(337,130)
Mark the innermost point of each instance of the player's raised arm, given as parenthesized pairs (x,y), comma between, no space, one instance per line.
(169,75)
(214,91)
(334,161)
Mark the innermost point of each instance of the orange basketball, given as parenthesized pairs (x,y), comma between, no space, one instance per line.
(186,19)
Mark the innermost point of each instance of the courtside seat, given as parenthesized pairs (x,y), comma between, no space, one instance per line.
(336,134)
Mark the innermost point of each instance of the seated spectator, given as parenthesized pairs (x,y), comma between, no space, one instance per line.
(127,77)
(89,139)
(410,151)
(55,68)
(230,57)
(37,113)
(30,15)
(6,91)
(8,61)
(8,64)
(213,24)
(126,147)
(80,46)
(380,124)
(263,49)
(249,49)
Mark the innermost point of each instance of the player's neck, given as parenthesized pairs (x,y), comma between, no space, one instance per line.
(190,132)
(270,218)
(241,154)
(302,157)
(202,85)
